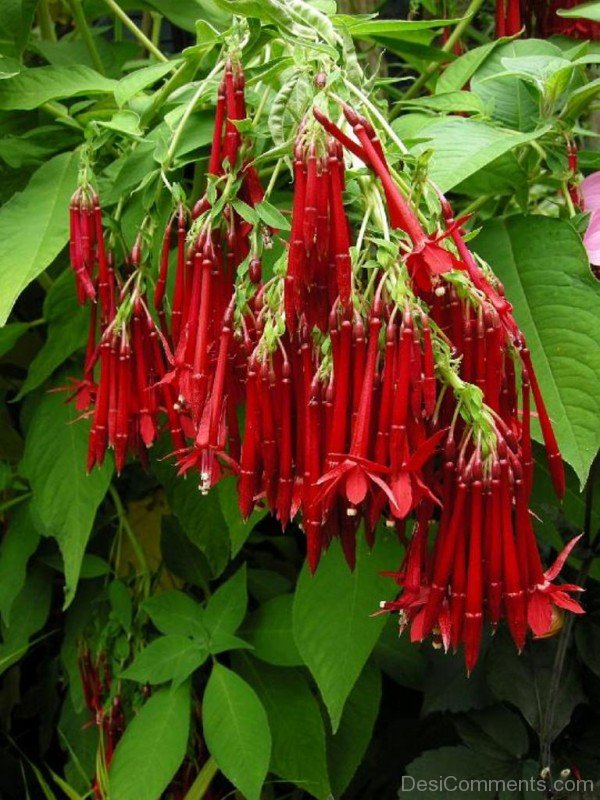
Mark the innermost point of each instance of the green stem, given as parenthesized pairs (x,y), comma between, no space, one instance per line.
(45,281)
(86,34)
(156,26)
(133,540)
(447,47)
(133,28)
(187,114)
(203,780)
(57,111)
(47,29)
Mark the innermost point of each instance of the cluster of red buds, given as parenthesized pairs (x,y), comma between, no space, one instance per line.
(380,378)
(96,684)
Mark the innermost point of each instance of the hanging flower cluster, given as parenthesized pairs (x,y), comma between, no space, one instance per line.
(541,19)
(380,376)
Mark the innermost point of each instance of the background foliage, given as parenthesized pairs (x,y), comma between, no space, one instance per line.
(233,666)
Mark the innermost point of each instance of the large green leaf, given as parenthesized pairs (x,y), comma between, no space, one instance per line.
(152,747)
(167,658)
(583,11)
(10,335)
(65,499)
(545,271)
(34,87)
(462,147)
(18,544)
(398,657)
(333,627)
(236,731)
(226,608)
(512,101)
(296,724)
(34,227)
(200,515)
(15,25)
(347,747)
(525,681)
(175,613)
(67,331)
(269,631)
(29,613)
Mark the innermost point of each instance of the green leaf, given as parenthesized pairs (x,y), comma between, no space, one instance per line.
(272,216)
(269,630)
(393,28)
(121,603)
(239,529)
(152,747)
(174,612)
(583,11)
(166,658)
(458,73)
(68,324)
(65,499)
(182,557)
(510,99)
(524,680)
(544,268)
(587,639)
(449,102)
(226,608)
(447,687)
(496,731)
(398,657)
(333,627)
(31,239)
(140,79)
(297,731)
(236,731)
(346,748)
(199,515)
(29,613)
(32,88)
(10,335)
(15,25)
(462,147)
(18,545)
(459,764)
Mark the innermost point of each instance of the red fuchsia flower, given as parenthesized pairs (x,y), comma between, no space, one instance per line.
(590,193)
(546,595)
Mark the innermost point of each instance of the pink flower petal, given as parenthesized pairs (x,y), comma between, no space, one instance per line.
(590,191)
(591,239)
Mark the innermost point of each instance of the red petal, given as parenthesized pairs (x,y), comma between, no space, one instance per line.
(539,614)
(426,450)
(402,489)
(563,600)
(356,486)
(555,569)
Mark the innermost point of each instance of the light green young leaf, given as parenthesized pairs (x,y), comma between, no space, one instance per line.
(544,268)
(236,731)
(65,499)
(34,227)
(333,627)
(152,747)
